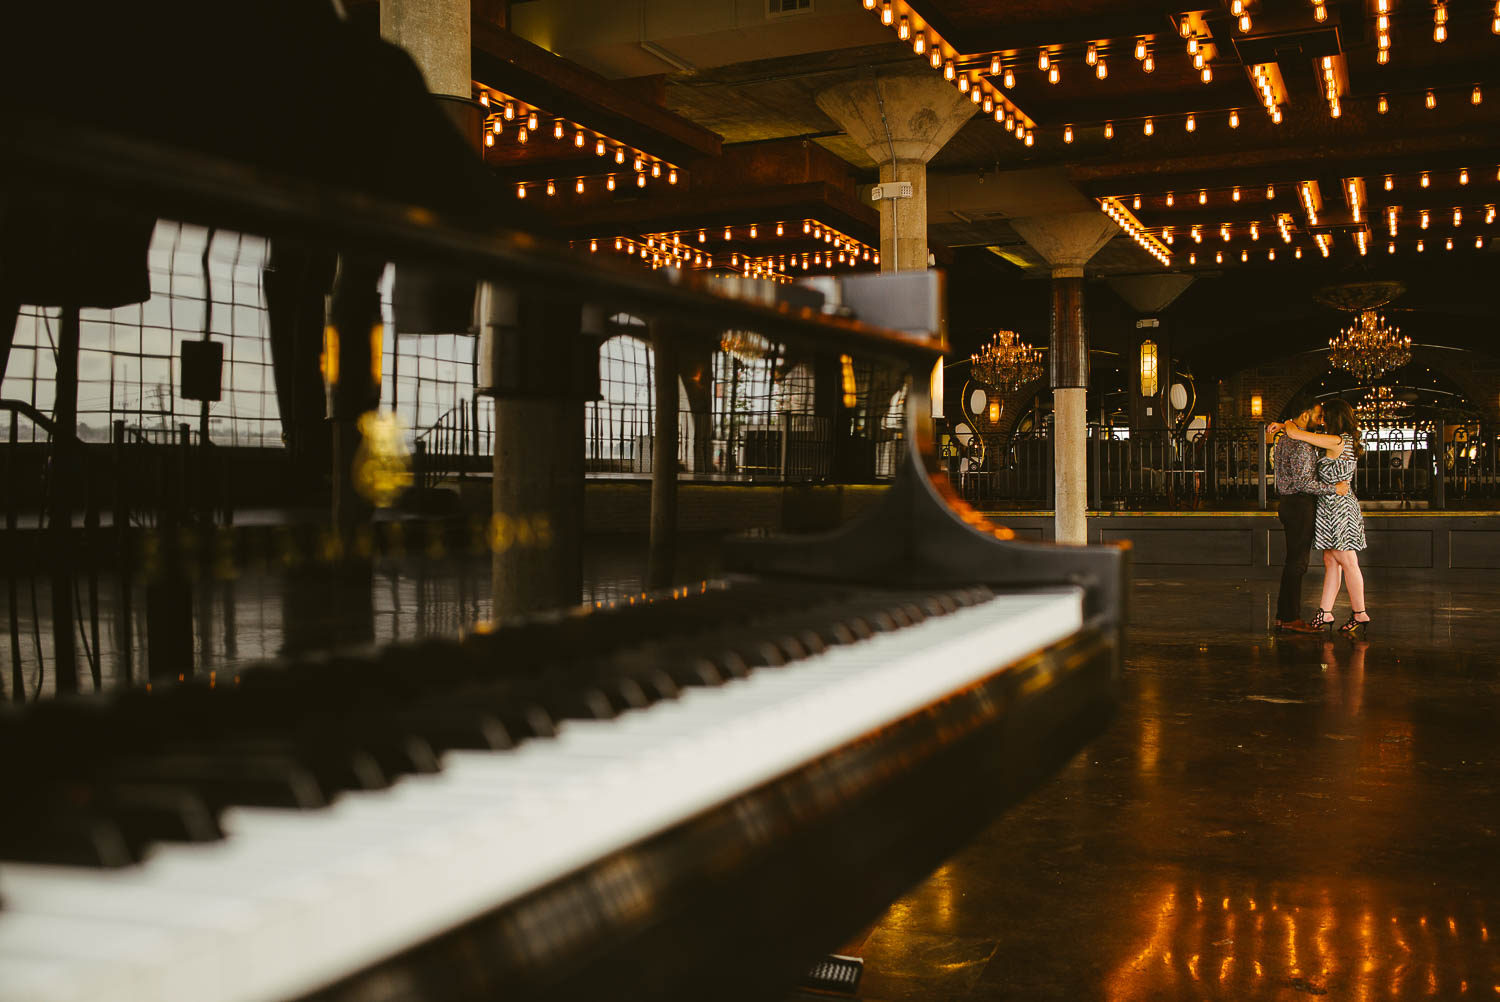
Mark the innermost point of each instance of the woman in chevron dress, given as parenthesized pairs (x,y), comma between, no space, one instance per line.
(1339,528)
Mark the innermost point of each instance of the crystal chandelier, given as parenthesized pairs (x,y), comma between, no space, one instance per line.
(1369,347)
(1007,363)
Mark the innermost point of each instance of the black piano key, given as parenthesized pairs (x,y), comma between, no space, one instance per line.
(224,780)
(65,835)
(147,814)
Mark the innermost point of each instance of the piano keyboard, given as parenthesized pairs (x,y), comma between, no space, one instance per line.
(290,901)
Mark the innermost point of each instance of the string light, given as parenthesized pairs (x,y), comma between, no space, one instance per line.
(1009,80)
(1458,217)
(1424,219)
(1140,49)
(1383,105)
(578,187)
(1389,182)
(1148,65)
(640,180)
(1149,128)
(994,66)
(523,134)
(919,44)
(489,139)
(1109,130)
(1235,194)
(1067,133)
(1207,74)
(557,129)
(609,183)
(1136,204)
(1463,175)
(1053,74)
(1191,124)
(1270,192)
(1234,119)
(599,148)
(1043,60)
(1390,248)
(887,15)
(551,188)
(520,191)
(1426,179)
(1431,100)
(935,57)
(1169,199)
(672,176)
(903,30)
(1203,197)
(1092,55)
(1440,24)
(1102,70)
(949,72)
(1448,244)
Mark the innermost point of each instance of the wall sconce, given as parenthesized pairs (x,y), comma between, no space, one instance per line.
(1256,405)
(1148,368)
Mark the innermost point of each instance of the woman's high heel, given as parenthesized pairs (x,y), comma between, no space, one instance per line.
(1324,618)
(1354,627)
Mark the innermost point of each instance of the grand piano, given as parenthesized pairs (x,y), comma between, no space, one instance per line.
(695,793)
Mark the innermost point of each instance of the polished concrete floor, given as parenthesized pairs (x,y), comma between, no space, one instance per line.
(1268,818)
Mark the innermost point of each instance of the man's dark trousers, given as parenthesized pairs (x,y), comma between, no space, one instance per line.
(1297,513)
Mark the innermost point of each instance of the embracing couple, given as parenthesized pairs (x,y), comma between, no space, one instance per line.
(1315,460)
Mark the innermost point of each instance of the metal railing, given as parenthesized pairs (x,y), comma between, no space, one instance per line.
(1229,468)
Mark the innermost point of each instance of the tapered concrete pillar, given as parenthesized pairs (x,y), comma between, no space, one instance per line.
(901,121)
(1067,241)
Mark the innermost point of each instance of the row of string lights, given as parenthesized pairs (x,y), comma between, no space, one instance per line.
(1390,218)
(1236,193)
(512,120)
(958,70)
(1362,240)
(694,248)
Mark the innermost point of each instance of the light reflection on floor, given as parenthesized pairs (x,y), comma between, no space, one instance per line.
(1268,819)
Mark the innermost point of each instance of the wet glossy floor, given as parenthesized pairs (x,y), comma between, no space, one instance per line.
(1268,819)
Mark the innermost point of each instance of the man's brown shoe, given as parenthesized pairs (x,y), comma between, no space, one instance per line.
(1296,626)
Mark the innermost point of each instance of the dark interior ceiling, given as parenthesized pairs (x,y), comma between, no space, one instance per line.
(1269,302)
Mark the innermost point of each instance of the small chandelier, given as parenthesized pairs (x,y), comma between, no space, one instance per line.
(1006,364)
(1369,347)
(746,346)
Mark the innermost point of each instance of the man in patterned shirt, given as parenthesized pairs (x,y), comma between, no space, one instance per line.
(1297,484)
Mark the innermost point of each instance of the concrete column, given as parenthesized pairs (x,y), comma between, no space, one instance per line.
(901,120)
(1067,241)
(435,33)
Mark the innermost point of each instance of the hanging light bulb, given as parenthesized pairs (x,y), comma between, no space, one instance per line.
(1030,138)
(520,191)
(1424,219)
(1463,175)
(1270,253)
(1148,64)
(489,139)
(640,180)
(1169,199)
(963,84)
(1389,182)
(1218,257)
(1102,70)
(1426,180)
(609,182)
(1489,214)
(1149,128)
(1478,242)
(1009,80)
(870,4)
(1192,45)
(989,104)
(1067,133)
(672,176)
(1192,259)
(1448,244)
(1320,14)
(523,134)
(1109,130)
(1043,59)
(1421,246)
(1234,119)
(557,128)
(1270,192)
(1244,24)
(551,187)
(949,72)
(1383,105)
(1276,115)
(1137,203)
(887,15)
(619,154)
(994,66)
(1207,74)
(1198,61)
(1244,256)
(1092,55)
(1010,122)
(1476,95)
(1203,197)
(903,30)
(1053,74)
(1431,100)
(578,187)
(919,44)
(1140,49)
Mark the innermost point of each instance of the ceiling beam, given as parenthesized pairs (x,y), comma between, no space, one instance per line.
(530,73)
